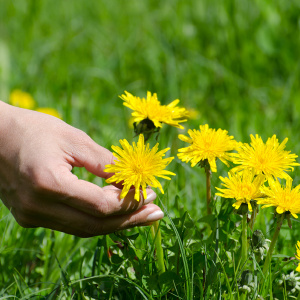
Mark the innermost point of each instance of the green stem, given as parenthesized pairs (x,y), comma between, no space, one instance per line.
(208,189)
(253,217)
(298,298)
(255,275)
(244,296)
(156,236)
(244,248)
(244,241)
(272,245)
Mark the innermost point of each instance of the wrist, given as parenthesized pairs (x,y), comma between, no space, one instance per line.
(4,119)
(9,134)
(7,116)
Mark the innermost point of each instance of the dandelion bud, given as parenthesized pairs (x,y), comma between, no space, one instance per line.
(145,127)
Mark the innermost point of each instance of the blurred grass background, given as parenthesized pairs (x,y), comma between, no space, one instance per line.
(236,62)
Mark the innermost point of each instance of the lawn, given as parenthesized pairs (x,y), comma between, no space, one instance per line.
(235,63)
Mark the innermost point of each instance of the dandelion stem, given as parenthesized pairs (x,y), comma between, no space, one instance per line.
(156,236)
(254,274)
(208,188)
(244,247)
(253,217)
(244,240)
(272,245)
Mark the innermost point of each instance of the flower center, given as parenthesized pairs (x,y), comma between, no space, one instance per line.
(287,198)
(262,160)
(138,169)
(207,144)
(245,191)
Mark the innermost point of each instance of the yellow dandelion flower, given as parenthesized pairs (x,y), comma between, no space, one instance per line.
(285,199)
(207,144)
(137,166)
(152,110)
(242,186)
(49,111)
(298,255)
(269,159)
(21,99)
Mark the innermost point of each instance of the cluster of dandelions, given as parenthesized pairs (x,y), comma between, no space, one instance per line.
(252,181)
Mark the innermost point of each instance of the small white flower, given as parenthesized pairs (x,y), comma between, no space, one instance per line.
(291,280)
(245,288)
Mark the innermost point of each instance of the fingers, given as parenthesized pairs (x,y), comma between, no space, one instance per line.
(71,221)
(84,152)
(100,202)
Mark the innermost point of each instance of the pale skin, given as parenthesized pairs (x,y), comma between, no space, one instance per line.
(37,155)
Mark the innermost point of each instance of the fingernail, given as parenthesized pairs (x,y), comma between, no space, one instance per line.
(156,215)
(150,197)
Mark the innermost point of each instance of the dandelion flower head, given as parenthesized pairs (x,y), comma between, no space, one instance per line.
(21,99)
(285,199)
(49,111)
(268,158)
(242,186)
(298,255)
(151,109)
(207,144)
(137,166)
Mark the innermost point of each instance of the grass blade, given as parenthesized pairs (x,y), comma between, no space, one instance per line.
(184,259)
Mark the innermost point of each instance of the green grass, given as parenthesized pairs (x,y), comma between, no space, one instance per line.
(236,62)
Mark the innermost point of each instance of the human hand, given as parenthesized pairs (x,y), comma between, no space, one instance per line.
(37,154)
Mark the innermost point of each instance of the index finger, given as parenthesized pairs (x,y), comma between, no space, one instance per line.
(82,151)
